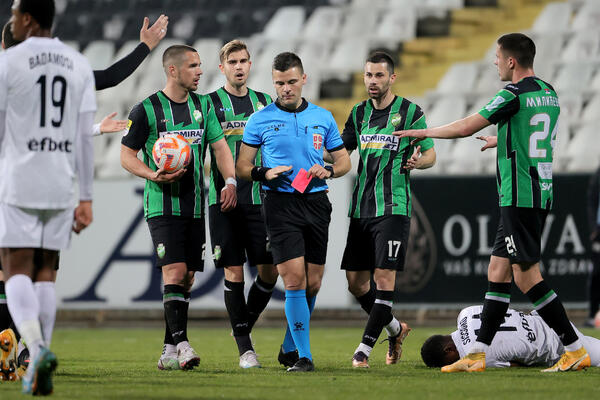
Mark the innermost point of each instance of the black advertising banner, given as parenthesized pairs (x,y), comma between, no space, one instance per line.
(453,228)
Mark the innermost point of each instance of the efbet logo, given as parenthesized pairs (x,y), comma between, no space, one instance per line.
(197,116)
(396,120)
(160,250)
(217,253)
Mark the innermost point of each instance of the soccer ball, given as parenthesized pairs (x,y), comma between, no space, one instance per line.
(171,152)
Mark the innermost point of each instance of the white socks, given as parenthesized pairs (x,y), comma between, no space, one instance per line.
(46,295)
(364,348)
(393,328)
(24,308)
(576,345)
(479,347)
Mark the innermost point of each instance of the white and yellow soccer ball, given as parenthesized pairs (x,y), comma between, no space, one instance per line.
(171,152)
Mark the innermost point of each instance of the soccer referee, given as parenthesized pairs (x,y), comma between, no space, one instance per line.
(292,134)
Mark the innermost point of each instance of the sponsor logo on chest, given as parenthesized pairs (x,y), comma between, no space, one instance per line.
(379,141)
(233,127)
(193,136)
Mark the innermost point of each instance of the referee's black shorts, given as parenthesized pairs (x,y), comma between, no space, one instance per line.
(298,225)
(237,233)
(519,235)
(378,242)
(178,239)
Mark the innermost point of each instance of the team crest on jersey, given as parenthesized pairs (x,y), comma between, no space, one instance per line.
(317,141)
(379,141)
(217,253)
(197,116)
(396,119)
(259,106)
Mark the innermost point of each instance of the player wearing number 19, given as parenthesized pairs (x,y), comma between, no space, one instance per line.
(526,112)
(47,106)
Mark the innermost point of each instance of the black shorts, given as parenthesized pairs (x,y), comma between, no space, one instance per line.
(519,236)
(238,233)
(298,225)
(178,239)
(379,242)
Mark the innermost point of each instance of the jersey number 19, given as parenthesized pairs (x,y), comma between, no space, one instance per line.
(58,95)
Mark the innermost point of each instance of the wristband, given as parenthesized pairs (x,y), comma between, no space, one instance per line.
(259,173)
(330,169)
(231,181)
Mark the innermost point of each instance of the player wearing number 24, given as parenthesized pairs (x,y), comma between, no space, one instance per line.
(526,112)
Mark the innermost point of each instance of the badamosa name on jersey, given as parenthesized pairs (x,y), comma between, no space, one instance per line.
(52,58)
(233,127)
(378,141)
(193,136)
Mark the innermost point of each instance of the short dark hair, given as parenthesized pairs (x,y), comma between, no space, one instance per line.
(382,57)
(41,10)
(176,52)
(287,60)
(7,37)
(433,351)
(519,46)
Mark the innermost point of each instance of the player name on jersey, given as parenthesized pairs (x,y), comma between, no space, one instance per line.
(379,141)
(233,127)
(542,101)
(50,58)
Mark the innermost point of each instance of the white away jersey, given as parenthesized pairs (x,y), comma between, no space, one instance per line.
(44,86)
(522,338)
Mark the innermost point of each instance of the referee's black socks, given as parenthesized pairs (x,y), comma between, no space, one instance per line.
(258,298)
(550,308)
(235,302)
(5,319)
(495,305)
(176,310)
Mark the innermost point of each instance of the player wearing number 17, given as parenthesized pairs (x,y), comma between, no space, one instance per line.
(526,112)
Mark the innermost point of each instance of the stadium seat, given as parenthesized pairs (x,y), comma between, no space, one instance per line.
(488,83)
(554,18)
(264,61)
(348,56)
(111,165)
(359,21)
(445,110)
(100,53)
(570,106)
(396,25)
(460,78)
(184,27)
(588,17)
(361,4)
(573,77)
(323,24)
(585,45)
(262,81)
(548,50)
(113,28)
(208,49)
(287,22)
(591,112)
(584,150)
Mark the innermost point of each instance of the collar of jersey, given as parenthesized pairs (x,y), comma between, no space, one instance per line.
(302,107)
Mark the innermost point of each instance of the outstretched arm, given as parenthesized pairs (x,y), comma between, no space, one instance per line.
(457,129)
(119,71)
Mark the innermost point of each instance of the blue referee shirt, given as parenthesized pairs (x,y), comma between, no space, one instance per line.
(295,138)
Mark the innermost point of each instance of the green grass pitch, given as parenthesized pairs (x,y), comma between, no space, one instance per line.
(121,364)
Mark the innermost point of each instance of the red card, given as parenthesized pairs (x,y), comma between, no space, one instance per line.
(300,182)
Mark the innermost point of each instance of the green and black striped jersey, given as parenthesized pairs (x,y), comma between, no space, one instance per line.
(195,120)
(233,113)
(382,186)
(527,116)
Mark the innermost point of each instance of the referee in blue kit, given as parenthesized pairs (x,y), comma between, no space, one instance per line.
(292,134)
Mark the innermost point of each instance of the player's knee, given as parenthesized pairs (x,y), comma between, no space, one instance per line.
(188,281)
(313,288)
(268,273)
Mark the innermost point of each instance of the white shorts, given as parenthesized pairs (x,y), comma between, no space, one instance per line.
(35,228)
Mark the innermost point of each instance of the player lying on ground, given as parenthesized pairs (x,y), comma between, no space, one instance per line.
(522,340)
